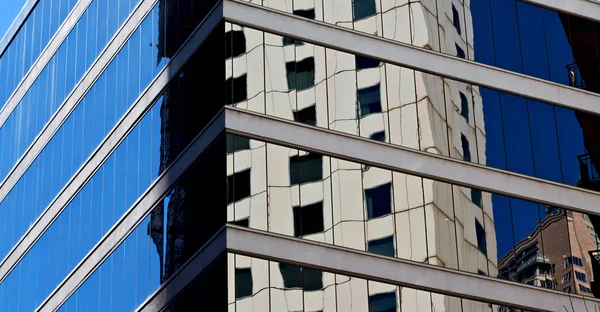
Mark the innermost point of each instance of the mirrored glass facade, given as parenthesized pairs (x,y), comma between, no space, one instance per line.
(138,196)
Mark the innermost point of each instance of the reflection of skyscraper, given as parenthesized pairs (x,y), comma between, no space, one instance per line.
(294,190)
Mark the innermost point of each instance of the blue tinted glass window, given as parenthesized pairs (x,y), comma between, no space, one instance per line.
(385,302)
(481,241)
(306,168)
(363,8)
(243,283)
(363,62)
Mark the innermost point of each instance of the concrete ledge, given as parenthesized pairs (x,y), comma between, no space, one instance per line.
(587,9)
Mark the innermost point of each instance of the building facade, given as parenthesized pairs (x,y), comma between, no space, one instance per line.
(335,155)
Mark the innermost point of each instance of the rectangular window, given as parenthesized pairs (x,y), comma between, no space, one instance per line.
(584,289)
(455,19)
(581,276)
(459,52)
(307,115)
(573,260)
(308,219)
(481,242)
(243,283)
(238,186)
(385,302)
(363,9)
(301,75)
(363,62)
(378,201)
(306,168)
(476,197)
(383,246)
(566,278)
(298,277)
(236,143)
(464,106)
(235,43)
(465,148)
(369,101)
(236,89)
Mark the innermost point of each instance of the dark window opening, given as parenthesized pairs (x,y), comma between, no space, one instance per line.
(455,19)
(584,289)
(383,246)
(363,9)
(459,51)
(369,101)
(581,276)
(297,277)
(238,186)
(385,302)
(378,136)
(363,62)
(308,219)
(464,106)
(379,200)
(481,242)
(307,115)
(476,197)
(236,89)
(301,75)
(306,168)
(243,283)
(236,143)
(243,222)
(480,272)
(235,43)
(465,148)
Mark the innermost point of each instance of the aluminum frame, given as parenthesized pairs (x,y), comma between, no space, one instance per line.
(405,55)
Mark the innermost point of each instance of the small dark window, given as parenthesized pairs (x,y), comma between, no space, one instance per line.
(306,168)
(363,9)
(385,302)
(308,219)
(369,101)
(567,289)
(476,197)
(297,277)
(236,143)
(456,19)
(383,246)
(238,186)
(465,147)
(309,13)
(301,75)
(243,283)
(479,272)
(464,106)
(307,115)
(481,242)
(459,51)
(235,43)
(378,136)
(243,222)
(363,62)
(291,41)
(573,260)
(581,276)
(379,201)
(584,289)
(566,278)
(236,89)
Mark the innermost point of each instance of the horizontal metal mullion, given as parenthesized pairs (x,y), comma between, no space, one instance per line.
(405,55)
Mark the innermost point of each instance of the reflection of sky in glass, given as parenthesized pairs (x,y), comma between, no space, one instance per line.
(522,135)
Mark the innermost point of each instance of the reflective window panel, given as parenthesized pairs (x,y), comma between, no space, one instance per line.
(508,34)
(392,104)
(52,87)
(405,216)
(29,42)
(152,145)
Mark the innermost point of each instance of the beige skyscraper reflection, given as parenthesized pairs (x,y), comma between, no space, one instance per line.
(314,197)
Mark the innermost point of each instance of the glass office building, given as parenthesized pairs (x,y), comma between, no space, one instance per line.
(301,155)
